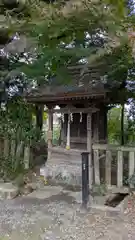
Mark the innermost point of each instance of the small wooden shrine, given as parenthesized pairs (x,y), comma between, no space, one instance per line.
(83,106)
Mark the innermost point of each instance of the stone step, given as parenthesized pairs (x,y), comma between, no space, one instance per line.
(8,191)
(64,158)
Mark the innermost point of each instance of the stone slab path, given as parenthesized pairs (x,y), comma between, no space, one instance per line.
(53,215)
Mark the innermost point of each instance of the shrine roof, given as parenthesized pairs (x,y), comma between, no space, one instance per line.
(50,94)
(84,82)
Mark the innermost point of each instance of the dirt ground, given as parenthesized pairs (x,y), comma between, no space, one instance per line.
(59,217)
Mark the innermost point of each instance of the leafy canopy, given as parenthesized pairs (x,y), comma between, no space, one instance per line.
(66,33)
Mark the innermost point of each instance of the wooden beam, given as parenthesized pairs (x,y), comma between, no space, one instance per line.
(108,147)
(73,110)
(55,98)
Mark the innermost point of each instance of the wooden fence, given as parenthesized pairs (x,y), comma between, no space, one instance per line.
(15,150)
(124,166)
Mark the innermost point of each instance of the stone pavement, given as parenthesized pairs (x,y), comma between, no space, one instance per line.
(53,214)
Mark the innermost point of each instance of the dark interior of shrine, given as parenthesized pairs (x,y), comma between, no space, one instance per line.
(78,129)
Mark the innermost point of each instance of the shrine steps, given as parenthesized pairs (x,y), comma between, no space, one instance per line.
(61,155)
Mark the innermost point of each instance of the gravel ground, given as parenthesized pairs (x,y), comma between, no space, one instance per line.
(57,217)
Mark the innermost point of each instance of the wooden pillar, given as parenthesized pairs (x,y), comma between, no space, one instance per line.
(120,169)
(62,133)
(131,166)
(106,124)
(68,133)
(50,132)
(39,120)
(103,124)
(95,121)
(89,147)
(122,124)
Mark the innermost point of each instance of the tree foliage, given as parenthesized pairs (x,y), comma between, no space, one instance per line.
(66,32)
(16,121)
(79,29)
(114,125)
(63,33)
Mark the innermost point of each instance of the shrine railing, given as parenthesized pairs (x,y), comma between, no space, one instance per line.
(113,165)
(15,151)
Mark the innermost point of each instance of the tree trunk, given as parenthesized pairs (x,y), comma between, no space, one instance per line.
(122,124)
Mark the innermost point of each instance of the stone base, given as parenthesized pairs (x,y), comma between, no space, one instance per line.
(8,191)
(64,167)
(64,174)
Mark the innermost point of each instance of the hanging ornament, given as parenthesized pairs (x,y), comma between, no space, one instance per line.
(80,117)
(71,117)
(62,116)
